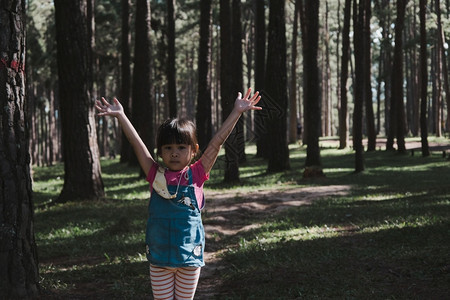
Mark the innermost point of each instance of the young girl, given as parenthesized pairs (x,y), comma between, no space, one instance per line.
(175,237)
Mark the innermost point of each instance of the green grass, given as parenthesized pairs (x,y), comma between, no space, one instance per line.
(388,238)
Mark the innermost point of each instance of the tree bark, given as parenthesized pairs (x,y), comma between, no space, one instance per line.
(441,42)
(294,121)
(370,119)
(82,173)
(125,91)
(231,173)
(260,67)
(358,25)
(203,116)
(398,114)
(387,69)
(424,79)
(237,136)
(19,278)
(343,107)
(171,70)
(310,31)
(326,78)
(276,88)
(142,110)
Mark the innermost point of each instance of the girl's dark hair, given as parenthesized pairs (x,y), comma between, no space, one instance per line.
(176,131)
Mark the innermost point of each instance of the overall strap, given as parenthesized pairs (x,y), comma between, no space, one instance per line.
(190,176)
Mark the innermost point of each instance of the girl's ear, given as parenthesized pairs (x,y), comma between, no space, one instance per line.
(195,150)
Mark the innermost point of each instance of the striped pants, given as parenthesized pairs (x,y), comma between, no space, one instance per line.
(174,283)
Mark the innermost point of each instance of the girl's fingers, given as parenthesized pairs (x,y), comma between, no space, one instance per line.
(105,102)
(254,97)
(248,93)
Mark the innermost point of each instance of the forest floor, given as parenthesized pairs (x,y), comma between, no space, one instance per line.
(236,214)
(226,217)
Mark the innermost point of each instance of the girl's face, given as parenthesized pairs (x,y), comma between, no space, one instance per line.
(177,156)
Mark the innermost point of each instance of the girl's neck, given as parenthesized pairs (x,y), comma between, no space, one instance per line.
(182,170)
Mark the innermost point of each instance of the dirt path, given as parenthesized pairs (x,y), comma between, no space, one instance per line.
(228,214)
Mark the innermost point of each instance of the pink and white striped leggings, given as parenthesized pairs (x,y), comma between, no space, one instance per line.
(174,283)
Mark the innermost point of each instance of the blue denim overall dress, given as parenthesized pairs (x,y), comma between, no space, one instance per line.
(175,235)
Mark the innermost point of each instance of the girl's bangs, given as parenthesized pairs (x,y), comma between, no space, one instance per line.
(175,136)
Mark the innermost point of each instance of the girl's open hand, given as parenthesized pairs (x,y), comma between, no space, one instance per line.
(104,108)
(247,103)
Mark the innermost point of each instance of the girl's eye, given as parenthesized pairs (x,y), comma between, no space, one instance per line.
(182,147)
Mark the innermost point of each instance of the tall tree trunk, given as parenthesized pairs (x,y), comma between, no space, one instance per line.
(237,136)
(398,116)
(303,30)
(248,49)
(171,71)
(203,117)
(231,173)
(19,278)
(310,31)
(387,67)
(413,110)
(142,84)
(125,91)
(358,25)
(54,146)
(262,148)
(338,60)
(441,42)
(439,75)
(434,76)
(370,120)
(343,107)
(82,173)
(326,78)
(424,78)
(276,88)
(294,121)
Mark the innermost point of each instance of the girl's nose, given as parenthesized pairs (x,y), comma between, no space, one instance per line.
(174,154)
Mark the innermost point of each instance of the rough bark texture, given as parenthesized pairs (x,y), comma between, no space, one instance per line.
(424,79)
(19,276)
(397,79)
(358,21)
(370,118)
(142,109)
(343,107)
(275,89)
(231,154)
(237,79)
(203,115)
(171,70)
(82,173)
(310,39)
(126,76)
(260,64)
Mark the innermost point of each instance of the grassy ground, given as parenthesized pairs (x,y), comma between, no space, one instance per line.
(388,238)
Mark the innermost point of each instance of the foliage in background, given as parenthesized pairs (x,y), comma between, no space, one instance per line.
(42,65)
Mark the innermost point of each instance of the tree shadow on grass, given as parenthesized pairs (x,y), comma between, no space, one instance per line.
(98,253)
(121,279)
(401,263)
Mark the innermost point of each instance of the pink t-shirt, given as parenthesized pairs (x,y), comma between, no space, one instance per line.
(198,179)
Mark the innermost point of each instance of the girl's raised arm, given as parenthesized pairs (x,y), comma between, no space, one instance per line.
(116,110)
(240,105)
